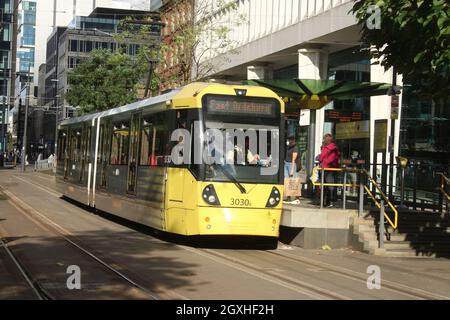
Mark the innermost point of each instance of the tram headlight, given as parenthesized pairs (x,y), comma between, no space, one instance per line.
(274,198)
(209,195)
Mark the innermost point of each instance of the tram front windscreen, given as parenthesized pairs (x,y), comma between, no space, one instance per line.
(242,140)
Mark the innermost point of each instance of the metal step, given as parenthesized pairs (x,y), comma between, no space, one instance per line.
(400,253)
(419,244)
(421,230)
(417,237)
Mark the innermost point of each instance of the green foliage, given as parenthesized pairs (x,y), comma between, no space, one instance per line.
(104,80)
(143,31)
(414,38)
(208,39)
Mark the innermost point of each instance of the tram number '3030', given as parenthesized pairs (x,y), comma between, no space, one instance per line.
(240,202)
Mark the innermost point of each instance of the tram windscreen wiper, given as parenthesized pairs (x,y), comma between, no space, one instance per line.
(232,178)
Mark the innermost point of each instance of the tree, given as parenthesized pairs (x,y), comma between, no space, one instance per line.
(146,32)
(204,41)
(104,80)
(413,37)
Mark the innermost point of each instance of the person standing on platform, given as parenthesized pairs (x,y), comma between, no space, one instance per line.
(291,162)
(329,158)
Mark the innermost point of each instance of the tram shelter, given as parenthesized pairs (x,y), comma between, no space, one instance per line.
(313,95)
(328,226)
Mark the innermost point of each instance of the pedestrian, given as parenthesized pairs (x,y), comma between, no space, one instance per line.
(353,177)
(329,158)
(292,162)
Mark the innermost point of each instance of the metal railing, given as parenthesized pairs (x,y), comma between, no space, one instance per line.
(45,164)
(445,181)
(393,221)
(414,186)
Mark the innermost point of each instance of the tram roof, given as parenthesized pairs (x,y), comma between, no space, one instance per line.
(126,108)
(181,93)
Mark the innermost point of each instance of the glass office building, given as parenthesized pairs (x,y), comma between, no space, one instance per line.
(425,128)
(5,46)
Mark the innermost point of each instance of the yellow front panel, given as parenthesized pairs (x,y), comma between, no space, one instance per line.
(230,196)
(234,221)
(238,214)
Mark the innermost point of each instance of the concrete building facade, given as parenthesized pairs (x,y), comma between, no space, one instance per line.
(314,39)
(39,20)
(176,16)
(68,46)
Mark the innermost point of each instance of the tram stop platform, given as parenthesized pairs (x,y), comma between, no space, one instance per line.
(307,226)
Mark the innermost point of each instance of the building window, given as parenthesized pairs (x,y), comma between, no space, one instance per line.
(26,59)
(28,38)
(82,46)
(73,45)
(29,18)
(74,62)
(88,46)
(6,33)
(29,6)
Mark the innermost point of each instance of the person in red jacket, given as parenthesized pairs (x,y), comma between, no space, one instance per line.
(329,158)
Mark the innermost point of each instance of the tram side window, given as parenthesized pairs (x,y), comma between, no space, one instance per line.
(75,146)
(153,141)
(62,141)
(120,143)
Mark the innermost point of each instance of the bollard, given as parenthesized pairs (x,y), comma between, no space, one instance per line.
(415,187)
(361,195)
(381,225)
(322,189)
(344,190)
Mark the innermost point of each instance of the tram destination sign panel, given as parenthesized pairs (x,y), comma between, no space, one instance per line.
(240,106)
(343,116)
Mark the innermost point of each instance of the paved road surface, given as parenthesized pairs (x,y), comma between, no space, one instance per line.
(48,234)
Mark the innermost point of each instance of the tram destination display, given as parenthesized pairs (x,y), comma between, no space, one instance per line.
(240,106)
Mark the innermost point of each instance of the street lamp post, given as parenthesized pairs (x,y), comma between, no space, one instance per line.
(3,136)
(56,116)
(403,162)
(25,129)
(151,66)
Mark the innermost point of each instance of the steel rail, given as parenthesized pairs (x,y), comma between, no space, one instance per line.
(39,292)
(65,234)
(271,276)
(391,285)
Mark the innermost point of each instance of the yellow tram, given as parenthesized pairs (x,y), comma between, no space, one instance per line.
(121,161)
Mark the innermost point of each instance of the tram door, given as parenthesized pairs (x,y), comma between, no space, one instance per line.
(85,152)
(105,150)
(62,151)
(133,153)
(174,185)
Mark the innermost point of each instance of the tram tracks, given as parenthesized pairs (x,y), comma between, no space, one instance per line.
(39,292)
(296,285)
(45,223)
(271,275)
(302,287)
(362,277)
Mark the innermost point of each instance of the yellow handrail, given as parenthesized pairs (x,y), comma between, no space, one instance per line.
(394,223)
(444,180)
(315,183)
